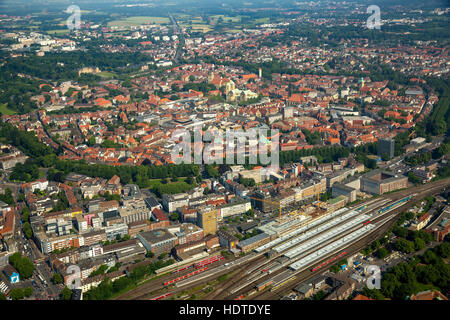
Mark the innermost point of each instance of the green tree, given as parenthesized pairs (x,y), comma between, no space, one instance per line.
(174,216)
(66,293)
(404,245)
(17,294)
(382,253)
(57,278)
(27,230)
(22,264)
(419,244)
(28,291)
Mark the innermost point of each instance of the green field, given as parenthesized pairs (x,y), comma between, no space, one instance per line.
(198,27)
(156,182)
(106,74)
(58,31)
(137,21)
(4,110)
(262,20)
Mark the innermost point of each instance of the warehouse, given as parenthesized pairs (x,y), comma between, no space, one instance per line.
(253,242)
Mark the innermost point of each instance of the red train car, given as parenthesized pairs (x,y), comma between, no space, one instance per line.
(208,261)
(182,269)
(331,260)
(162,297)
(185,276)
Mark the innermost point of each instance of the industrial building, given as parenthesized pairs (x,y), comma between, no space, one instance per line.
(157,241)
(379,182)
(343,190)
(253,242)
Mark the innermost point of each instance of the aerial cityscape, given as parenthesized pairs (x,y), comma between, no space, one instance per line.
(224,150)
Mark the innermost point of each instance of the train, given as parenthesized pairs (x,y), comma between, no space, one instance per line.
(329,261)
(185,276)
(182,269)
(394,205)
(280,284)
(162,296)
(208,261)
(200,264)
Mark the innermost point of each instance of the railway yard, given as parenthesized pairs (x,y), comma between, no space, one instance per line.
(302,249)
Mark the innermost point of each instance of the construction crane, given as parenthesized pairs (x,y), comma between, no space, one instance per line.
(272,202)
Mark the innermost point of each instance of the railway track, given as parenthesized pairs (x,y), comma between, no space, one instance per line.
(223,289)
(154,288)
(352,249)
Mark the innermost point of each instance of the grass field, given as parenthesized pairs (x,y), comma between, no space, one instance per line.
(137,21)
(262,20)
(106,74)
(198,27)
(155,182)
(58,31)
(4,110)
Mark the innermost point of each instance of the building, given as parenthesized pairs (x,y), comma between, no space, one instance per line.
(304,290)
(152,203)
(428,295)
(334,204)
(234,208)
(288,112)
(441,225)
(386,146)
(254,174)
(138,226)
(342,287)
(134,211)
(212,241)
(94,237)
(9,160)
(251,243)
(266,203)
(227,240)
(12,274)
(157,241)
(379,182)
(342,190)
(207,220)
(171,202)
(189,233)
(116,230)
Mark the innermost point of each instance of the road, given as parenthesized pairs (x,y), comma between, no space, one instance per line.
(177,31)
(223,290)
